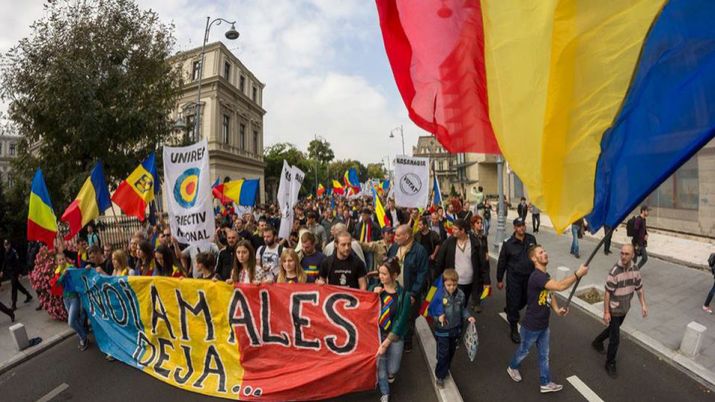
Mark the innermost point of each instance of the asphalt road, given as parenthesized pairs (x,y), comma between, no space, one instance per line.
(642,376)
(71,375)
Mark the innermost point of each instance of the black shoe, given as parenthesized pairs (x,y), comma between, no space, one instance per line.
(38,308)
(598,346)
(12,317)
(607,252)
(408,348)
(611,370)
(28,299)
(515,337)
(577,255)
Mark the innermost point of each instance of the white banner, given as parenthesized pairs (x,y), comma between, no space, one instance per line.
(288,189)
(412,185)
(187,186)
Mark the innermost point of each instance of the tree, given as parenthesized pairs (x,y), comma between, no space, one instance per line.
(376,171)
(274,155)
(319,149)
(92,82)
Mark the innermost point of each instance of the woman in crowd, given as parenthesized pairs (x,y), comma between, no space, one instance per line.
(291,271)
(145,259)
(121,264)
(393,321)
(244,265)
(164,263)
(75,315)
(205,264)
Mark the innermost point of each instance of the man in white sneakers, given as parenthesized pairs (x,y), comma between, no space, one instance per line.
(535,325)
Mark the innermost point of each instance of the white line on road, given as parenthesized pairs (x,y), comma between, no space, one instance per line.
(48,397)
(584,389)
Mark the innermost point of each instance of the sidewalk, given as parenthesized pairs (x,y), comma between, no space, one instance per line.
(37,323)
(674,293)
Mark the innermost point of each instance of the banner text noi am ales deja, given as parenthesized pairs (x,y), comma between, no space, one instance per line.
(269,342)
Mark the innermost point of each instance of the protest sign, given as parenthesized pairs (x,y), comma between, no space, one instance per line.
(411,187)
(273,342)
(187,186)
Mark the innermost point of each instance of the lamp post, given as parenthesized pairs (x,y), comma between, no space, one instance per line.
(501,212)
(231,34)
(402,134)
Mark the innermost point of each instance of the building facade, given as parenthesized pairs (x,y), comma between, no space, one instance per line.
(8,151)
(231,112)
(461,170)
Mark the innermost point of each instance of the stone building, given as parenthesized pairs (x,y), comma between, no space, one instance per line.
(8,151)
(231,112)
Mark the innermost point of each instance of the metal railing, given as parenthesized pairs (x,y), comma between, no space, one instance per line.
(115,232)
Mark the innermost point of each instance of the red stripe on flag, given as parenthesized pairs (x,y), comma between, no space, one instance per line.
(38,233)
(73,216)
(129,201)
(442,78)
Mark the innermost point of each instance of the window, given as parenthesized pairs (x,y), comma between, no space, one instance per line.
(11,150)
(242,137)
(0,148)
(224,131)
(679,191)
(441,165)
(195,71)
(191,125)
(254,95)
(255,142)
(227,70)
(242,84)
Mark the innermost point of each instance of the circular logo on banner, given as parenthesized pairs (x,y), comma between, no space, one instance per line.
(410,184)
(187,187)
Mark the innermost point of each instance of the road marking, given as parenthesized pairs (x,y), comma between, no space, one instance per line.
(584,389)
(503,315)
(48,397)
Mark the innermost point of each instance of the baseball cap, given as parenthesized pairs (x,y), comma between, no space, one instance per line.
(518,222)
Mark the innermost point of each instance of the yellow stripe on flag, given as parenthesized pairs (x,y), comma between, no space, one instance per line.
(142,182)
(557,73)
(87,200)
(41,213)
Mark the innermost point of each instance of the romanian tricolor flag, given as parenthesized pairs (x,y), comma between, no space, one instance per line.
(592,103)
(320,191)
(338,188)
(41,219)
(138,190)
(433,299)
(242,192)
(351,180)
(93,199)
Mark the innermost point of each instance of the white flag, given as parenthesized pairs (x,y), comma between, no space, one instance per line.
(188,187)
(411,186)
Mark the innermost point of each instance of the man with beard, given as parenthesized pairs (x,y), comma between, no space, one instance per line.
(224,263)
(343,268)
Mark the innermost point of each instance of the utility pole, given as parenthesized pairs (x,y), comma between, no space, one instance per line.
(501,213)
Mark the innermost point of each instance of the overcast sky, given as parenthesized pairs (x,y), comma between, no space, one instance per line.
(323,63)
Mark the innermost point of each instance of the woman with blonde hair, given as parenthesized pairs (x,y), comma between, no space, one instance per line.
(120,264)
(244,265)
(290,269)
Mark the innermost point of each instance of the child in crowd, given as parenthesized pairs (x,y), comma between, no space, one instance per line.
(290,269)
(393,321)
(450,314)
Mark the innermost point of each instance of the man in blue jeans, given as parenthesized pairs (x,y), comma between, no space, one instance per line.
(535,326)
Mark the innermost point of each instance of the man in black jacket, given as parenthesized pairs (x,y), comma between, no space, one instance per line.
(224,263)
(463,253)
(515,263)
(11,268)
(394,216)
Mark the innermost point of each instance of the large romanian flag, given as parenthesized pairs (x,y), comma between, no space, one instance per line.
(41,219)
(138,190)
(242,191)
(93,199)
(592,102)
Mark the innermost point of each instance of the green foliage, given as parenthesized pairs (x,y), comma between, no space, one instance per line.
(92,82)
(453,191)
(376,170)
(319,149)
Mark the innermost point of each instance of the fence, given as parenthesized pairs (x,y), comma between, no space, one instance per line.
(112,231)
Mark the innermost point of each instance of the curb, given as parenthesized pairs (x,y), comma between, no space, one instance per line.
(672,357)
(450,392)
(29,353)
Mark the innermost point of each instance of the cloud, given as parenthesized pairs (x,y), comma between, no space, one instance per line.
(323,63)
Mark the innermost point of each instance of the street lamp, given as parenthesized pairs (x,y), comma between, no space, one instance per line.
(402,134)
(231,34)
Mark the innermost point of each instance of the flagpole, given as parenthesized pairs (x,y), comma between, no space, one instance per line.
(588,261)
(501,212)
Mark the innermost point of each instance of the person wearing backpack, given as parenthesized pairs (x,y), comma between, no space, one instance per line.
(268,257)
(639,237)
(706,306)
